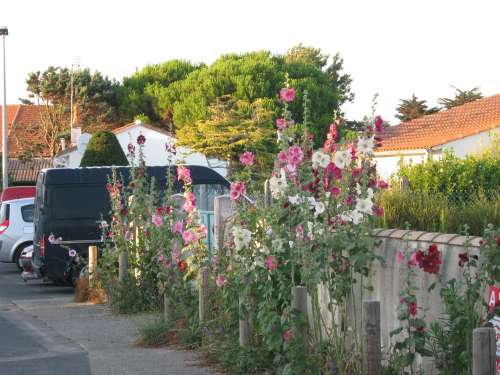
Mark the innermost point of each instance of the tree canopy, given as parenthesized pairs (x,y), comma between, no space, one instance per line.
(186,98)
(409,109)
(103,149)
(461,97)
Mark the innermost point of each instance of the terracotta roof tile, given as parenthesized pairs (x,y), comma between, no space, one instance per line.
(444,126)
(21,170)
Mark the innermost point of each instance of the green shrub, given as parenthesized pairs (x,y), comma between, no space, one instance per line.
(455,177)
(103,149)
(437,212)
(154,333)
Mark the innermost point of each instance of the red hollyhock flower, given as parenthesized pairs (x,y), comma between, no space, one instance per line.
(412,308)
(429,261)
(182,265)
(421,329)
(141,139)
(462,259)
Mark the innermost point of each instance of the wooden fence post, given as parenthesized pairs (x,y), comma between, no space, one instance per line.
(299,303)
(268,198)
(372,353)
(483,351)
(122,266)
(203,295)
(223,209)
(92,264)
(243,315)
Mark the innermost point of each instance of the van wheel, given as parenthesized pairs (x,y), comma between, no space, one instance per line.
(17,255)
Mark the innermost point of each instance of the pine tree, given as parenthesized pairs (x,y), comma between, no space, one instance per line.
(461,97)
(103,149)
(413,108)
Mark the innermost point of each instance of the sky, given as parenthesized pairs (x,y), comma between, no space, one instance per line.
(395,48)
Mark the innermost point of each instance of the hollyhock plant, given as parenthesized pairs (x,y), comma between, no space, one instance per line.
(157,220)
(429,261)
(247,158)
(237,190)
(287,95)
(177,227)
(184,174)
(141,139)
(281,124)
(220,281)
(271,263)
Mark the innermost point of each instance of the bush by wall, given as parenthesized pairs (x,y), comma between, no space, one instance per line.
(455,177)
(103,149)
(439,212)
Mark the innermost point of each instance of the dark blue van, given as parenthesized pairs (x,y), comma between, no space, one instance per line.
(71,202)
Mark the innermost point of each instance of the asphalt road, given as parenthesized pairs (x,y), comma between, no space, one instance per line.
(27,345)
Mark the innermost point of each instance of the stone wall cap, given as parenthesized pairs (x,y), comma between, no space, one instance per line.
(376,231)
(400,233)
(414,235)
(445,238)
(429,236)
(476,241)
(386,232)
(460,240)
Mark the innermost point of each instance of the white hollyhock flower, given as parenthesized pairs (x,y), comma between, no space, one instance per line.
(364,205)
(366,145)
(319,208)
(241,237)
(310,227)
(277,245)
(320,159)
(295,199)
(311,201)
(342,159)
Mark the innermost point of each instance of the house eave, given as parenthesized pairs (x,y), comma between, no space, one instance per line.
(418,151)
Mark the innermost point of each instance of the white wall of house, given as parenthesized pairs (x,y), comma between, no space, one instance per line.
(473,144)
(387,161)
(154,150)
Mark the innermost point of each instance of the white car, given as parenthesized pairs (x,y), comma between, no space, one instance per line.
(16,229)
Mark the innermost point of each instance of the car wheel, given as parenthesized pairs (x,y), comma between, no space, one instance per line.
(17,255)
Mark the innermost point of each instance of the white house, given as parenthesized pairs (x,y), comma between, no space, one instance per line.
(155,150)
(467,129)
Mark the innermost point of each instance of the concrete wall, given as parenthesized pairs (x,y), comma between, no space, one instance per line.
(388,278)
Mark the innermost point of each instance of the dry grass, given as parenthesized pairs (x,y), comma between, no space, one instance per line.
(83,292)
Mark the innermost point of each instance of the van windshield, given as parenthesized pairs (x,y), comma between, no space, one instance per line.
(79,202)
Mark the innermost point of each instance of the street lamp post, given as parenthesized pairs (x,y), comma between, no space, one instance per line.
(5,178)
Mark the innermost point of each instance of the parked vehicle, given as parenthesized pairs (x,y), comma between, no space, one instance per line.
(71,202)
(17,192)
(16,228)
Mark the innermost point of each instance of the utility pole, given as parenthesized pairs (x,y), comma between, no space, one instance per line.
(5,153)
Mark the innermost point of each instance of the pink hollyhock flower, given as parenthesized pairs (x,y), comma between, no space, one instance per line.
(287,95)
(281,124)
(247,158)
(349,200)
(400,257)
(282,157)
(220,281)
(177,227)
(335,191)
(72,253)
(161,257)
(157,220)
(187,236)
(402,300)
(128,235)
(131,149)
(413,260)
(203,230)
(295,155)
(382,184)
(184,174)
(412,308)
(378,211)
(271,263)
(237,190)
(189,202)
(287,335)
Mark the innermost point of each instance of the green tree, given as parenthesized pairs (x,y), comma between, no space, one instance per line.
(461,97)
(232,127)
(140,92)
(410,109)
(94,95)
(103,149)
(258,75)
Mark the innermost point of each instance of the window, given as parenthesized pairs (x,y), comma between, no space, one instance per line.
(79,202)
(27,212)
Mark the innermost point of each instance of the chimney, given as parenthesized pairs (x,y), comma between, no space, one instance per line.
(63,144)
